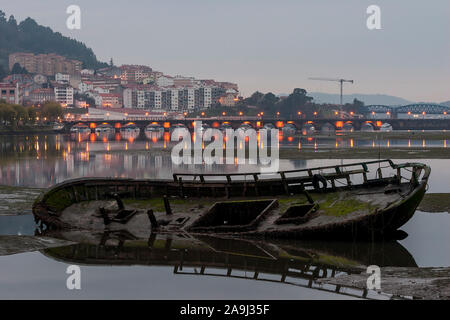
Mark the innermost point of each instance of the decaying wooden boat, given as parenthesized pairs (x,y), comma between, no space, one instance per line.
(366,200)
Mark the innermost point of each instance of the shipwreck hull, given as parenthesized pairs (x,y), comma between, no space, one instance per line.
(381,225)
(313,203)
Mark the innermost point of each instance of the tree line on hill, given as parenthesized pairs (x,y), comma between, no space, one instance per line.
(28,36)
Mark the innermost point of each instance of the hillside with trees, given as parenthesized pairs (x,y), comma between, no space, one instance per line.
(28,36)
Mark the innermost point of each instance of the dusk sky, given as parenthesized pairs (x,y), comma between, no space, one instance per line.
(269,45)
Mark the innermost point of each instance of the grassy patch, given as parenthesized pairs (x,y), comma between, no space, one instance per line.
(332,205)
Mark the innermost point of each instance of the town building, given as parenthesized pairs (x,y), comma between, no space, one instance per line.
(108,100)
(165,81)
(167,99)
(9,92)
(62,78)
(134,73)
(86,86)
(46,64)
(229,99)
(40,79)
(64,95)
(180,81)
(42,95)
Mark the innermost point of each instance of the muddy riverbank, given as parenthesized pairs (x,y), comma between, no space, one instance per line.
(416,283)
(365,153)
(17,200)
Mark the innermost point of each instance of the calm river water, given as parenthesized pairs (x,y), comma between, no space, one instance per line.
(41,161)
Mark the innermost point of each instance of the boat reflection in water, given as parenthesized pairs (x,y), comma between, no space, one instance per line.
(293,263)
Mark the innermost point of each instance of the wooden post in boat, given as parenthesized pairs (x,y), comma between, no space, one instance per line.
(167,206)
(285,185)
(105,216)
(255,177)
(153,221)
(180,181)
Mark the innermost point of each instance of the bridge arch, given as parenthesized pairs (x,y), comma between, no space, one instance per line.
(419,108)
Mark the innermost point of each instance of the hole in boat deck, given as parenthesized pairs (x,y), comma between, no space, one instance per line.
(297,211)
(230,216)
(297,214)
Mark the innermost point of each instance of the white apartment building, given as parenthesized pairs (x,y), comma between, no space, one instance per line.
(101,89)
(84,87)
(64,95)
(62,78)
(191,98)
(165,81)
(168,99)
(174,99)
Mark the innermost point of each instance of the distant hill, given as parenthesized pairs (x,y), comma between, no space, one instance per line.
(28,36)
(368,99)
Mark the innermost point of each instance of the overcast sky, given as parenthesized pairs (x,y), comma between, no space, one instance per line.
(269,45)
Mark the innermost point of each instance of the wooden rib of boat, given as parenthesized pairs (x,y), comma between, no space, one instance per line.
(359,200)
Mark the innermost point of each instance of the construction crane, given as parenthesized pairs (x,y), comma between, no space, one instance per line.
(341,81)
